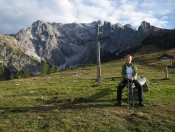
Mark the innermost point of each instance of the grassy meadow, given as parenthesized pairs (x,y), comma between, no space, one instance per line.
(71,100)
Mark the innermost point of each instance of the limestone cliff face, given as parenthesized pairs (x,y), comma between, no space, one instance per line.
(13,56)
(65,44)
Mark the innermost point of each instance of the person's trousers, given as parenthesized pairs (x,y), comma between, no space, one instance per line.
(123,84)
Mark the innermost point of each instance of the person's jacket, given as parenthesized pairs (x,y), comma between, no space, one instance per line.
(134,69)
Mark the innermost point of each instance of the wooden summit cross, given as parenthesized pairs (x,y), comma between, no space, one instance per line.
(97,39)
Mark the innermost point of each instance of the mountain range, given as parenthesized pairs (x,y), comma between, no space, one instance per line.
(70,44)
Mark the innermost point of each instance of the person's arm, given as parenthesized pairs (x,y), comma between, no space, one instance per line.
(123,71)
(135,72)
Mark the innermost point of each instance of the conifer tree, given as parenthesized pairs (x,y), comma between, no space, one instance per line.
(26,73)
(44,67)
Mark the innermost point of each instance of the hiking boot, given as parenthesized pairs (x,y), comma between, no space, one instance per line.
(141,104)
(118,104)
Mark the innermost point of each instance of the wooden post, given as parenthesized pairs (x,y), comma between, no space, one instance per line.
(171,63)
(166,72)
(98,58)
(97,40)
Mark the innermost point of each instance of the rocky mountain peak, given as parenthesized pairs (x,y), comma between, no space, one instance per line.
(107,25)
(147,28)
(37,23)
(129,26)
(145,25)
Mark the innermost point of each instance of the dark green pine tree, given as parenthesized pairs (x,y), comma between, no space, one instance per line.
(7,73)
(44,67)
(17,75)
(4,73)
(51,69)
(1,72)
(56,68)
(27,73)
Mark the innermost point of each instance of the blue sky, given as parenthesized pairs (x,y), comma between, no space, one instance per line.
(17,14)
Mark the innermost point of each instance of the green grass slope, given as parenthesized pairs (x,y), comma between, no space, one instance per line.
(72,101)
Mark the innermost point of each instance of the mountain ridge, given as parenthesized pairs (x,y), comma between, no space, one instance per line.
(63,44)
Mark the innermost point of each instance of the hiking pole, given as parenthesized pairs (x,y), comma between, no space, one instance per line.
(128,94)
(132,94)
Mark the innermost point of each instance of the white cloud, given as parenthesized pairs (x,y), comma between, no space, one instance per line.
(19,13)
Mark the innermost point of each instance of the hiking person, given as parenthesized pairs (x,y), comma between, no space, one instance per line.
(129,73)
